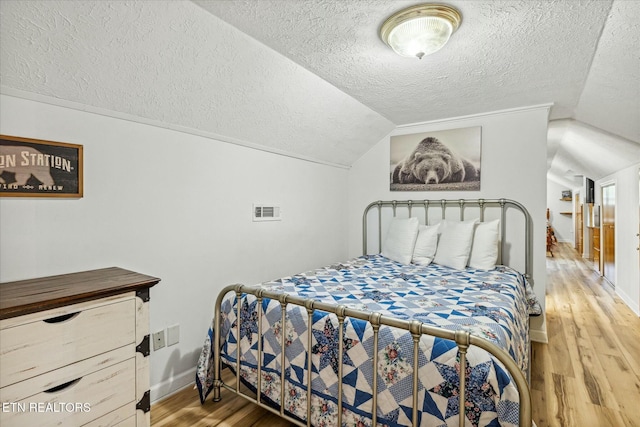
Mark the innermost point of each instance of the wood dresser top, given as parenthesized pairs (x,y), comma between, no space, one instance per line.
(33,295)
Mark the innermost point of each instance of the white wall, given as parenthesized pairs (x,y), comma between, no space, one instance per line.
(562,224)
(627,265)
(178,206)
(171,205)
(513,166)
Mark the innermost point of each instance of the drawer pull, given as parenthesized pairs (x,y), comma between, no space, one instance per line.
(63,386)
(62,318)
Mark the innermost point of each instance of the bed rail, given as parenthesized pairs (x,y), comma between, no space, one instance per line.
(461,204)
(463,339)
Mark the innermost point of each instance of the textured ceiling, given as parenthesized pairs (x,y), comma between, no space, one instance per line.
(312,78)
(172,62)
(576,150)
(611,96)
(505,54)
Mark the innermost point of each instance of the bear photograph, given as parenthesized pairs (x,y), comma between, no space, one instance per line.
(447,160)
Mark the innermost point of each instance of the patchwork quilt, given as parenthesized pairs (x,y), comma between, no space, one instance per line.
(491,304)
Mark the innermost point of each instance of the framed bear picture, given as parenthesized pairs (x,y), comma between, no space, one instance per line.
(446,160)
(38,168)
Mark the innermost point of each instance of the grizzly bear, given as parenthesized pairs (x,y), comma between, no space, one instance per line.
(432,162)
(18,161)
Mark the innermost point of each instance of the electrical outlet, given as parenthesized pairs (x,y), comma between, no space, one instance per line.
(173,335)
(158,340)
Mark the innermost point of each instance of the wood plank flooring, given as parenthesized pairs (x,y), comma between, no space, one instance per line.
(589,372)
(587,375)
(183,409)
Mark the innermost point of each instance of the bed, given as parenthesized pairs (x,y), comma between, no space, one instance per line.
(382,338)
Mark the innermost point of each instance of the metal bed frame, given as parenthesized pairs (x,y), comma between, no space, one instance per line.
(463,339)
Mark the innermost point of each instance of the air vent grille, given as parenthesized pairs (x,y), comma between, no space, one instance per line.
(266,213)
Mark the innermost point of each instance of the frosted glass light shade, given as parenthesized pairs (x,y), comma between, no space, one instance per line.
(420,30)
(420,36)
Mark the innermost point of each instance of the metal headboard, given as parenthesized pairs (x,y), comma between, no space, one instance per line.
(443,204)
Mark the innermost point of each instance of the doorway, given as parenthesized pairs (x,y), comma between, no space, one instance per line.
(578,222)
(608,232)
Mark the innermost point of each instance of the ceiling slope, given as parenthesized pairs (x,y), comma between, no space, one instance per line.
(611,96)
(312,79)
(170,62)
(506,54)
(576,150)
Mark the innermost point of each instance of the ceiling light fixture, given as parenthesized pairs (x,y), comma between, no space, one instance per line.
(420,30)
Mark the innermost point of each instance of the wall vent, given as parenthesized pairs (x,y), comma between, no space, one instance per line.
(266,213)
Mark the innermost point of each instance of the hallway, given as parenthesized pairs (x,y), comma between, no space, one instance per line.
(589,373)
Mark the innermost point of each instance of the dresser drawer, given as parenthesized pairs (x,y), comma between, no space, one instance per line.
(35,347)
(79,402)
(121,417)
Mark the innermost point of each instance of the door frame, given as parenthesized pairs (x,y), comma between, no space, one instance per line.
(602,185)
(577,216)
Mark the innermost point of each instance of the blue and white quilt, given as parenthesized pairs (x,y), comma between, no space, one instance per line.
(490,304)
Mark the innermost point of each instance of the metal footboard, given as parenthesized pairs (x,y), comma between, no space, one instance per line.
(462,338)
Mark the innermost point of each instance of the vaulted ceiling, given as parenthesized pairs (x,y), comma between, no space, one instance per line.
(311,77)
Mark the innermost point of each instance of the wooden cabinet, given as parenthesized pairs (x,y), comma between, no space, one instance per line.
(74,350)
(579,227)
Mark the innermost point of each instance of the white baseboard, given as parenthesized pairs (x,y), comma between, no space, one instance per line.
(539,336)
(627,300)
(172,385)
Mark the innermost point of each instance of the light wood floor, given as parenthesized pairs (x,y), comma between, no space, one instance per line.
(588,375)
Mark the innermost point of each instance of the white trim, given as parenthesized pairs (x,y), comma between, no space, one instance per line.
(17,93)
(612,181)
(628,301)
(616,239)
(539,336)
(479,115)
(172,385)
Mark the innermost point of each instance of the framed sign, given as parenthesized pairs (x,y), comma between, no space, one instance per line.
(37,168)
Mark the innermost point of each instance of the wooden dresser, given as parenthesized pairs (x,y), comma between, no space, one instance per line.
(74,350)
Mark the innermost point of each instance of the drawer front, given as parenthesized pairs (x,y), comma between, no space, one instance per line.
(121,417)
(129,422)
(83,400)
(31,349)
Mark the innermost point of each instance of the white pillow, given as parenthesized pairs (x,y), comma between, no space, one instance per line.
(484,250)
(454,244)
(400,240)
(426,244)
